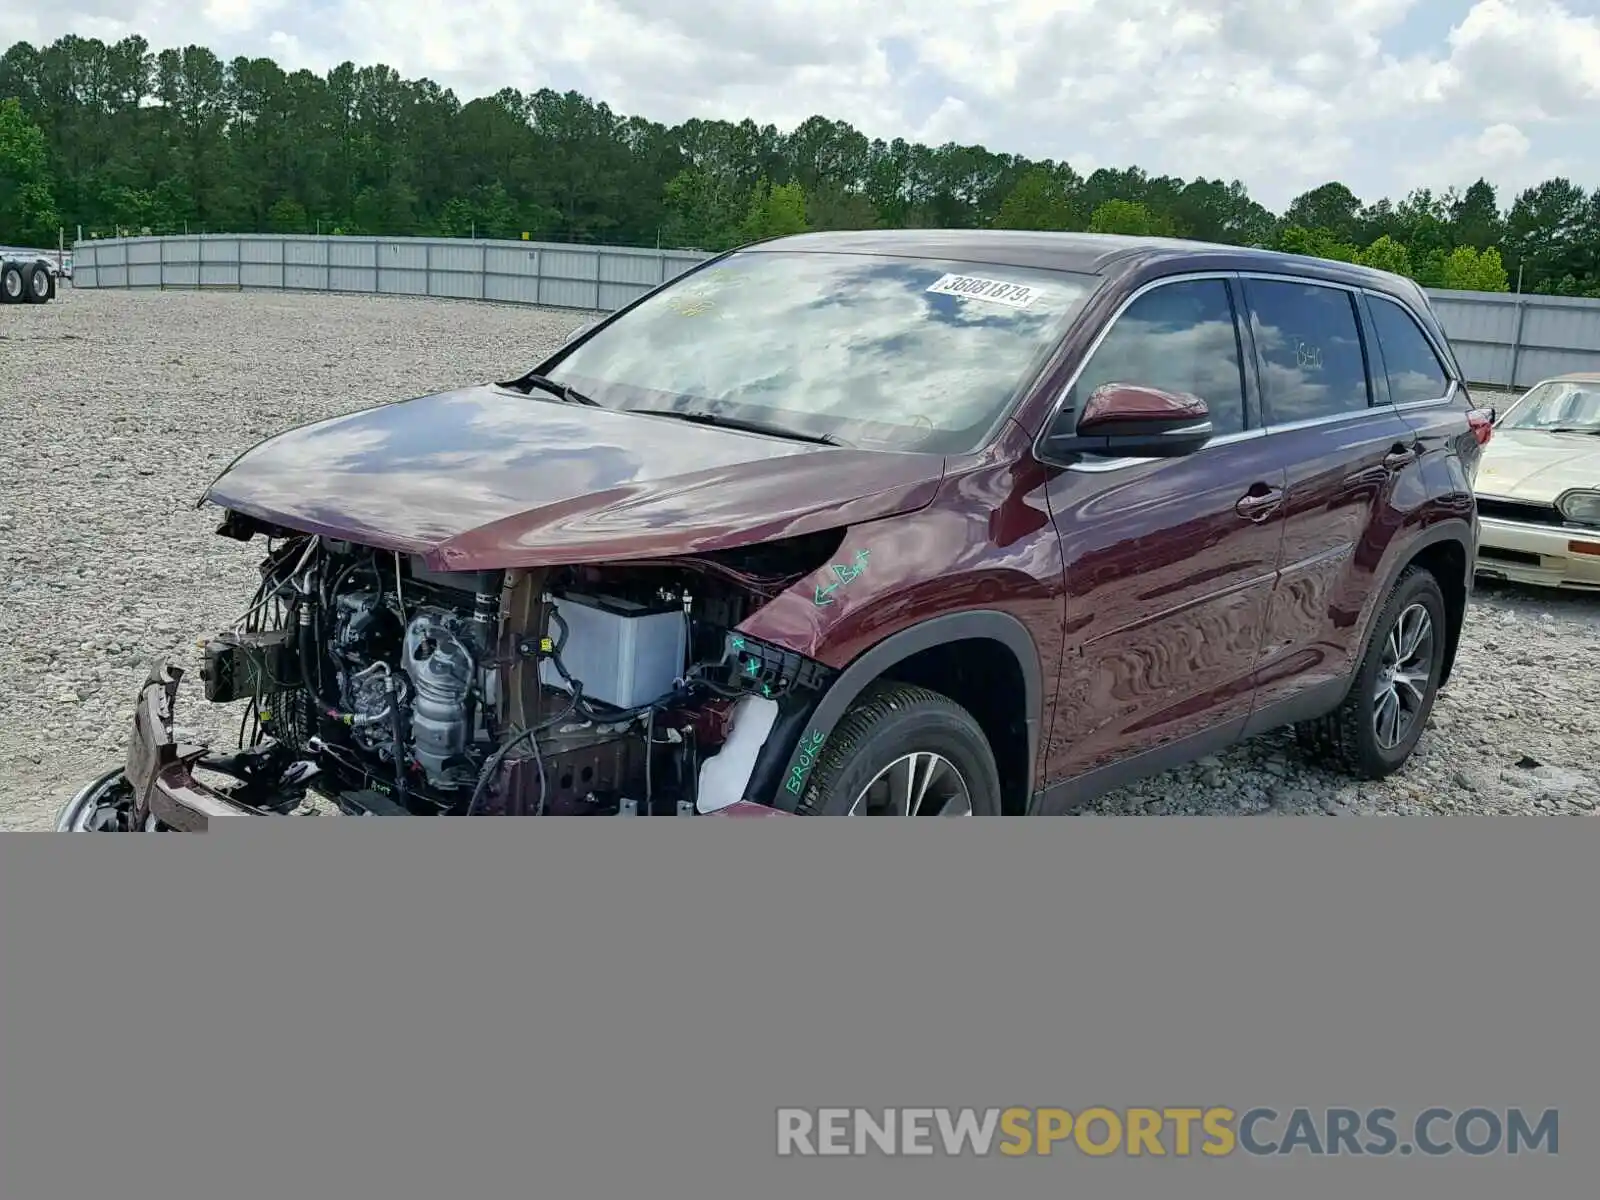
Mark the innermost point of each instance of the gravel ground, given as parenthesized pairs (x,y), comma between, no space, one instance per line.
(117,408)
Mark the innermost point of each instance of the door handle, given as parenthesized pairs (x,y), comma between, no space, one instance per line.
(1400,456)
(1258,505)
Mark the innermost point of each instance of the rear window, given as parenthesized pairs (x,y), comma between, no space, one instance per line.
(1413,369)
(1310,350)
(892,352)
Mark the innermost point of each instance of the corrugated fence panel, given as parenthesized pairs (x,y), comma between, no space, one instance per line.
(351,279)
(1501,340)
(303,252)
(262,250)
(616,267)
(304,277)
(261,275)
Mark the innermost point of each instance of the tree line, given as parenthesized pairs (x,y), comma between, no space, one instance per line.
(115,138)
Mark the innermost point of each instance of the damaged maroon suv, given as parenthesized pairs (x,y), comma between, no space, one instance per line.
(912,522)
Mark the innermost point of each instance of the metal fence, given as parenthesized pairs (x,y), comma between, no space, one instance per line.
(1515,341)
(1502,340)
(593,278)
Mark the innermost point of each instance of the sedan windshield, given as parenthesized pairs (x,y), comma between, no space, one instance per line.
(899,353)
(1562,406)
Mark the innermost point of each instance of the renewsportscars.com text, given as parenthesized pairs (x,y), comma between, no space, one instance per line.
(1215,1132)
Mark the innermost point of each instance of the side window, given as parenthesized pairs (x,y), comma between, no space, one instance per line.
(1310,347)
(1409,360)
(1179,337)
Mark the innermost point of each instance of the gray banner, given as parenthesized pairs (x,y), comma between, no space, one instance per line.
(311,1008)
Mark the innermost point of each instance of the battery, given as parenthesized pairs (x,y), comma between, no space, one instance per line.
(625,654)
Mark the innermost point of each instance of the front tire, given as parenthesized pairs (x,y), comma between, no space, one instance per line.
(904,751)
(1375,730)
(12,286)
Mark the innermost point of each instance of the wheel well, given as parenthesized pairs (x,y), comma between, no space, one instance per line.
(1447,563)
(983,676)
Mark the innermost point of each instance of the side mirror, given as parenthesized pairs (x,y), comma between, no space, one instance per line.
(579,331)
(1125,420)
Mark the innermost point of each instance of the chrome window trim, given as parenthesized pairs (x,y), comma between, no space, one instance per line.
(1306,280)
(1102,465)
(1447,398)
(1094,348)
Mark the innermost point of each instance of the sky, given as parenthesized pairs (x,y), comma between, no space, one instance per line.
(1384,95)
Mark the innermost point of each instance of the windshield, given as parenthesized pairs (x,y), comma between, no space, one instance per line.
(1560,406)
(899,353)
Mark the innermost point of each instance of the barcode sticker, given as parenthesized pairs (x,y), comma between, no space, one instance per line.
(993,291)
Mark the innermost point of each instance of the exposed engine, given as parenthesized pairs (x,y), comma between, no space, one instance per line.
(583,689)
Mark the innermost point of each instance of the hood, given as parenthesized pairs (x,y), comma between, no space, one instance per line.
(487,477)
(1522,464)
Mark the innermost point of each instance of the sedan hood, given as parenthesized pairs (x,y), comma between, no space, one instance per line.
(1522,464)
(487,477)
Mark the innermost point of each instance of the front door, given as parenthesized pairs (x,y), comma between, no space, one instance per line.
(1170,563)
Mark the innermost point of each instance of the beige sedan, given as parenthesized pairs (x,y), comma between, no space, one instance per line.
(1539,487)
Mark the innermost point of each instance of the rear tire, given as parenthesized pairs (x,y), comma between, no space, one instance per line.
(1373,733)
(900,747)
(38,280)
(12,285)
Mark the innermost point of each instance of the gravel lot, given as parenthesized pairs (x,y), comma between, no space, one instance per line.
(117,408)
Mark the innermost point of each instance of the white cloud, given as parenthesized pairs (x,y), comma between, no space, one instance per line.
(1284,94)
(1500,153)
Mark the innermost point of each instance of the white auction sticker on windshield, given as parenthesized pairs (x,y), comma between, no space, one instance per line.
(994,291)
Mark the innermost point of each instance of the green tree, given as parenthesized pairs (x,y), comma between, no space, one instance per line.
(27,208)
(288,216)
(1130,218)
(1331,207)
(1386,254)
(1317,243)
(774,212)
(1475,218)
(1468,270)
(1038,201)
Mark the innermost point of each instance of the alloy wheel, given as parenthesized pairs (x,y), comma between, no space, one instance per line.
(1403,675)
(918,784)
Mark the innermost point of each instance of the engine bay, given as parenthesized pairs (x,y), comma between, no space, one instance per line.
(392,689)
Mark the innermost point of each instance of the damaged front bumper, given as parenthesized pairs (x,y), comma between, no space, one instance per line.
(156,789)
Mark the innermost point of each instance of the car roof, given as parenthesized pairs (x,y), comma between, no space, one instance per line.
(1087,253)
(1574,377)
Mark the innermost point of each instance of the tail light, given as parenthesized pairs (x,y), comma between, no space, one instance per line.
(1481,422)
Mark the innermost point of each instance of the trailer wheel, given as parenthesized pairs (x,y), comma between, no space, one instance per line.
(40,285)
(12,286)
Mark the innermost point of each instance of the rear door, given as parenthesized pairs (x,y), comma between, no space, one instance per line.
(1169,563)
(1421,380)
(1345,449)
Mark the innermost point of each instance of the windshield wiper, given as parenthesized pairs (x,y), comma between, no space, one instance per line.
(546,384)
(1589,429)
(703,418)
